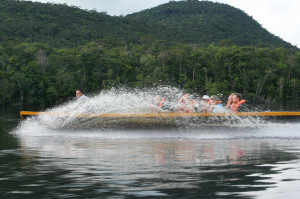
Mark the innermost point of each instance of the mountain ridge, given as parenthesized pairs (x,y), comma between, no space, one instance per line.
(212,21)
(199,22)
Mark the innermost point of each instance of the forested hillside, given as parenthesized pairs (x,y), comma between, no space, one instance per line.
(205,22)
(61,26)
(198,22)
(47,51)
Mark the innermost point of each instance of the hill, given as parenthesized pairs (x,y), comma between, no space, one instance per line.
(60,25)
(47,51)
(206,22)
(192,21)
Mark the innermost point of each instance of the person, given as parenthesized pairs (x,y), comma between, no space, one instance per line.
(205,104)
(237,102)
(215,104)
(229,102)
(80,96)
(159,101)
(186,104)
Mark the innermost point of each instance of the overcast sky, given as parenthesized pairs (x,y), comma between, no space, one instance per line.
(279,17)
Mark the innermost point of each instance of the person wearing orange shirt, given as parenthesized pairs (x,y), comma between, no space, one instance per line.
(237,102)
(229,102)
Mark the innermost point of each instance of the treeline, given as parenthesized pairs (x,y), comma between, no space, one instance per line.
(39,75)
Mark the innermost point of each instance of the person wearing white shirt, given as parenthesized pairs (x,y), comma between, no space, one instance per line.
(80,96)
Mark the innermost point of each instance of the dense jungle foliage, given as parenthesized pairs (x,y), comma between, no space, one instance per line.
(94,51)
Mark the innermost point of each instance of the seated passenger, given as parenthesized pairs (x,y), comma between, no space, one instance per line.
(187,104)
(237,102)
(204,105)
(229,102)
(159,101)
(216,105)
(80,96)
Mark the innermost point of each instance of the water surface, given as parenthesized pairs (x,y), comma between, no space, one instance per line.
(254,160)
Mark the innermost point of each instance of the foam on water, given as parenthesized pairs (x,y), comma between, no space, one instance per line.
(140,101)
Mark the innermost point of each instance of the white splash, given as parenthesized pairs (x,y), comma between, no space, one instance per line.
(130,101)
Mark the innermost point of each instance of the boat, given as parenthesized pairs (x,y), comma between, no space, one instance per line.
(164,119)
(24,114)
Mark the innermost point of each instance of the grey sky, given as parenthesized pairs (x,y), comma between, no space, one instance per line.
(279,17)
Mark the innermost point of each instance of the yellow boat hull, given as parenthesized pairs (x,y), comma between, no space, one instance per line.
(23,114)
(164,120)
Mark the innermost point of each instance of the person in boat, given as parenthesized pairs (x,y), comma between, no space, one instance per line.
(237,103)
(160,102)
(204,105)
(80,96)
(156,100)
(187,104)
(216,105)
(229,102)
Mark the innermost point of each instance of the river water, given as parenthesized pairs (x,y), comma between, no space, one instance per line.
(262,161)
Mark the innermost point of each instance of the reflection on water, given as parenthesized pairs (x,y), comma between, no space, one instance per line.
(187,163)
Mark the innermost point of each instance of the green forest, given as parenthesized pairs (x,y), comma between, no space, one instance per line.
(47,51)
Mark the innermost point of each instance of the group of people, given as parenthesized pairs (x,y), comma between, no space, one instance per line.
(187,104)
(207,104)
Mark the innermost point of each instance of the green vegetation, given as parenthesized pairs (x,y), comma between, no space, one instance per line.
(47,51)
(37,74)
(207,22)
(198,22)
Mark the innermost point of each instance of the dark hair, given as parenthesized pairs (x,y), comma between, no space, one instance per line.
(213,97)
(238,95)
